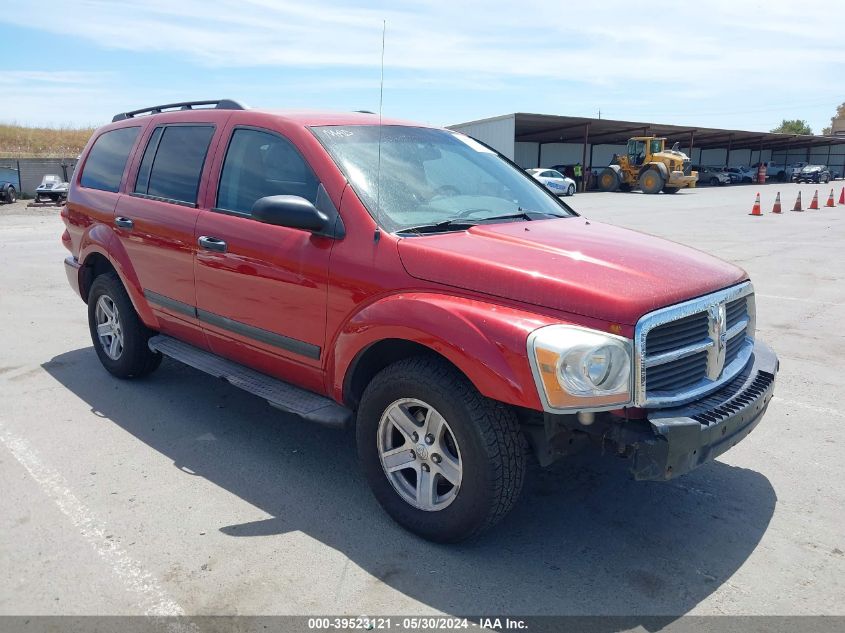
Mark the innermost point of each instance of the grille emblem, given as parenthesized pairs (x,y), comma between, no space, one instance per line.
(718,332)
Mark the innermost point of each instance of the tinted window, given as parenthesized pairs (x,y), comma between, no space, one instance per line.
(177,162)
(105,163)
(143,181)
(260,164)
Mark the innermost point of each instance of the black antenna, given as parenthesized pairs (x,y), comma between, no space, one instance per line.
(377,234)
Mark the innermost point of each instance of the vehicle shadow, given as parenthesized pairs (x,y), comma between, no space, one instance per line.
(583,540)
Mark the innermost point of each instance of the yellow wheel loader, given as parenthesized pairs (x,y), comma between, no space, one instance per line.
(649,166)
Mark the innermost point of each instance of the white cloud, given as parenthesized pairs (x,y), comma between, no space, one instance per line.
(721,57)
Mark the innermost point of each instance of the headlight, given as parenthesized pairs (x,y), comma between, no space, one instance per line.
(576,368)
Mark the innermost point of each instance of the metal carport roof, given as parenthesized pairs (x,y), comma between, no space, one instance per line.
(546,128)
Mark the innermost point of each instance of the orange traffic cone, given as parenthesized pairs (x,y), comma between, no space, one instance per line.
(830,202)
(776,208)
(797,206)
(755,210)
(842,196)
(814,203)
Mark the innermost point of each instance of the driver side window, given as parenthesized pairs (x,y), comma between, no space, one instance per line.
(260,164)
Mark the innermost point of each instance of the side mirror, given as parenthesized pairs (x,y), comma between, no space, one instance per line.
(291,211)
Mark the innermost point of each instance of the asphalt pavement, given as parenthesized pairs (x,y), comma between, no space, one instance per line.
(177,494)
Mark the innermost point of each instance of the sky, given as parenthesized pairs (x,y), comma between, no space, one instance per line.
(738,64)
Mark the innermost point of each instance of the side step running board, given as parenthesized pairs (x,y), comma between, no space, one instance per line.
(282,395)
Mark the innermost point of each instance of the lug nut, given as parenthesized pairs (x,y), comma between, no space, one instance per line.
(416,437)
(429,439)
(436,458)
(425,468)
(413,454)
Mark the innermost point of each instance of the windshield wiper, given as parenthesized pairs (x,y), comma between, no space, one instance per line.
(461,223)
(456,223)
(525,214)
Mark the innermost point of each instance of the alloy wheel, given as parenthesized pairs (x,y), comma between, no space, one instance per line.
(419,454)
(109,328)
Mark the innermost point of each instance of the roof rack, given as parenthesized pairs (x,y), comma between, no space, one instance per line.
(219,104)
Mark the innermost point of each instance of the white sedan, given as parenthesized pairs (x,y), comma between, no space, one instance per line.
(555,181)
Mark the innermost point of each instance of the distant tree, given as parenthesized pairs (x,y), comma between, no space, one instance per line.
(840,114)
(793,126)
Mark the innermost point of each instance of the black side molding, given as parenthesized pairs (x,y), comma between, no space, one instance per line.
(302,348)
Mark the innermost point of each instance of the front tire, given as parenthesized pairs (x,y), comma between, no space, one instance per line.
(651,181)
(11,195)
(608,180)
(444,462)
(119,336)
(570,191)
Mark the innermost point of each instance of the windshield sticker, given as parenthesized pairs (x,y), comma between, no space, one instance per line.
(337,132)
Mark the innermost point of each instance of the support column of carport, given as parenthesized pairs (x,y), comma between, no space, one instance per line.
(691,145)
(583,183)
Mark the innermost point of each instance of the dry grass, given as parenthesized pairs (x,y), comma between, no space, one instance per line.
(40,142)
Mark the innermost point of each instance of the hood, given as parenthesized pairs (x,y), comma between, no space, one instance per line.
(572,264)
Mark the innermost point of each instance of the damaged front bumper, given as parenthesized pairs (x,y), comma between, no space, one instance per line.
(667,443)
(685,437)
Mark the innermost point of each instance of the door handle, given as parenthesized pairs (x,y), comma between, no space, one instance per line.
(124,223)
(212,243)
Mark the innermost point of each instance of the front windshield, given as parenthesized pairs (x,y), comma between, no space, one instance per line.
(429,176)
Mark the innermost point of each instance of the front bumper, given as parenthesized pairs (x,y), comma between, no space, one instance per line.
(683,438)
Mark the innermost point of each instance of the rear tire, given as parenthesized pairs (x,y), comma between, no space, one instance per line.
(479,439)
(608,180)
(119,336)
(651,181)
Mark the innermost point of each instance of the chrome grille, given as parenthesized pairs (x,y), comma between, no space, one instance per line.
(690,349)
(677,374)
(736,310)
(677,334)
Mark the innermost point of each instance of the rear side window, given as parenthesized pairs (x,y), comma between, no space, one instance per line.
(143,181)
(107,159)
(260,164)
(173,161)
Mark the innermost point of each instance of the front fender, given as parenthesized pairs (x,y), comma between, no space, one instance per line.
(660,167)
(101,239)
(487,342)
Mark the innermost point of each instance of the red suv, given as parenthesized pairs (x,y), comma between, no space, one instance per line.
(414,283)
